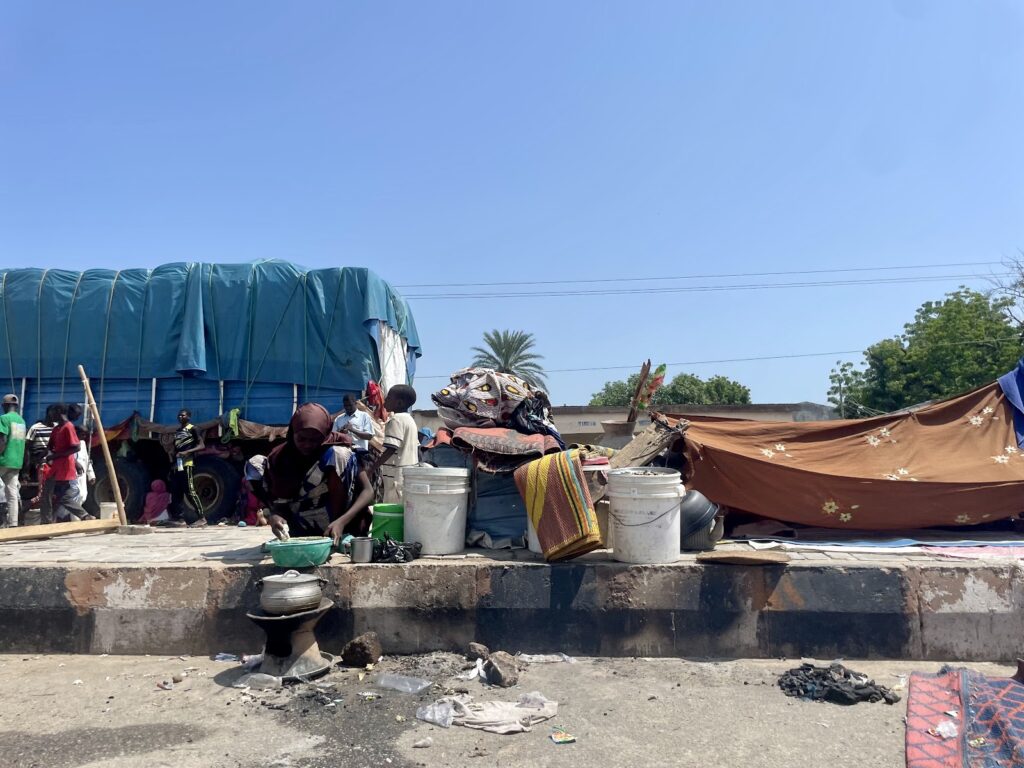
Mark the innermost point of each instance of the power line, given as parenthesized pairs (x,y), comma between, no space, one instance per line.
(708,277)
(738,359)
(702,288)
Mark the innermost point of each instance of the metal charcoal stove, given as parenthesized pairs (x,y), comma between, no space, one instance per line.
(291,650)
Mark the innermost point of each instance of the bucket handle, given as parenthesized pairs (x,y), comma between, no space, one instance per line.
(618,520)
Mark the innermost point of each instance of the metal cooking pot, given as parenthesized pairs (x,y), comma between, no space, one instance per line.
(290,592)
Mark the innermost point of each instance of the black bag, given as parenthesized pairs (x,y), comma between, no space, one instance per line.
(391,551)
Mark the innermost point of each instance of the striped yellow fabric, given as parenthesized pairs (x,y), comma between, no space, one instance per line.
(559,505)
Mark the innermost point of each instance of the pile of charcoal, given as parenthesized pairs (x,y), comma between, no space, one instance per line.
(833,683)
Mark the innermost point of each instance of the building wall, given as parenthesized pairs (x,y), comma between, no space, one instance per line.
(582,423)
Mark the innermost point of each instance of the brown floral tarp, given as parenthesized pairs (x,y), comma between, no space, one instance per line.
(956,462)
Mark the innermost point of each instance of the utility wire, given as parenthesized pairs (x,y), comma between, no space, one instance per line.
(707,277)
(740,359)
(700,288)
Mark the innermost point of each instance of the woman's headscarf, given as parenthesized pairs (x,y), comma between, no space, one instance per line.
(157,501)
(286,465)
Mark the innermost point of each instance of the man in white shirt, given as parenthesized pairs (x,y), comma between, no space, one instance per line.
(401,441)
(356,423)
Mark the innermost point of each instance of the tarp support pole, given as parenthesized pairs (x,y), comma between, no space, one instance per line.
(24,384)
(220,408)
(295,398)
(115,486)
(152,401)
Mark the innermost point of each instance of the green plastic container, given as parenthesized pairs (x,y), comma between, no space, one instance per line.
(300,552)
(389,519)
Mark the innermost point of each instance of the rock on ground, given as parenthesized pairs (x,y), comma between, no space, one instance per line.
(478,651)
(362,650)
(501,669)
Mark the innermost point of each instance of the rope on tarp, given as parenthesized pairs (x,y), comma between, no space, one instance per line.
(7,334)
(142,335)
(249,382)
(67,337)
(305,332)
(327,339)
(106,338)
(213,328)
(248,340)
(39,340)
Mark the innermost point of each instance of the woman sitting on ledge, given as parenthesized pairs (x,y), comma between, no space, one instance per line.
(313,482)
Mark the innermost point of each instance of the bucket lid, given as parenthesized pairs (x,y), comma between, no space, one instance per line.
(649,473)
(696,512)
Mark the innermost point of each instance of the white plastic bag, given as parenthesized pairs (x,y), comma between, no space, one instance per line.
(440,713)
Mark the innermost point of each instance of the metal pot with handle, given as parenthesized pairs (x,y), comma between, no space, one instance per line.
(290,592)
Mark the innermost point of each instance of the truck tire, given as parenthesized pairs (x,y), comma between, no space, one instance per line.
(218,483)
(133,478)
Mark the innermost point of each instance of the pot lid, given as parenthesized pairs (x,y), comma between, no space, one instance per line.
(291,577)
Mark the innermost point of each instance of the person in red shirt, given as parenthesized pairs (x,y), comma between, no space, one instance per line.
(63,447)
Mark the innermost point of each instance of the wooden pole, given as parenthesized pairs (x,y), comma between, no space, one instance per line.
(111,473)
(29,532)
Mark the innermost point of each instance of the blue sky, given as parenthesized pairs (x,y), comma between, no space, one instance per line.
(481,142)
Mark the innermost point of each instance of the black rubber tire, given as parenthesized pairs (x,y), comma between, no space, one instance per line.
(218,483)
(133,478)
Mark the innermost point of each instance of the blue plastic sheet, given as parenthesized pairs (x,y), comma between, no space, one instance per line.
(262,328)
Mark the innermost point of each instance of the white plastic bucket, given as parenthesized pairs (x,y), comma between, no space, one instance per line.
(436,502)
(644,514)
(108,510)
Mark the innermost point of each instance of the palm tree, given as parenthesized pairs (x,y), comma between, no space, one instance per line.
(509,352)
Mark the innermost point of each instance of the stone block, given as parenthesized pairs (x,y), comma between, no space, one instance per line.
(419,586)
(836,589)
(154,631)
(31,588)
(130,588)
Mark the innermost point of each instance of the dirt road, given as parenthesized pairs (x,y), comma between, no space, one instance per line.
(78,711)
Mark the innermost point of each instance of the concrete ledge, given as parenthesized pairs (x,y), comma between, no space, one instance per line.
(922,610)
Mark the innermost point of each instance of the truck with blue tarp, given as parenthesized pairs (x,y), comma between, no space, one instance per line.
(230,342)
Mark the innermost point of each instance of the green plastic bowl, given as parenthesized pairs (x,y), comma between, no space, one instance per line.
(300,552)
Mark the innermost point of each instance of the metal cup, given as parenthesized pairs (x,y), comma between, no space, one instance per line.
(362,549)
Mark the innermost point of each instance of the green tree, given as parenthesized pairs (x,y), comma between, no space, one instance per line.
(719,390)
(511,352)
(846,382)
(954,345)
(616,393)
(684,389)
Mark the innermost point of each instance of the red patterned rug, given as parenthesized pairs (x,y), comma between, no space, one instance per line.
(963,719)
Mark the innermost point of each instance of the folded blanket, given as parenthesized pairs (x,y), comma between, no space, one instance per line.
(497,450)
(559,506)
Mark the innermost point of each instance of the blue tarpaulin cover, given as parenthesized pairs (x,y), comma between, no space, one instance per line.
(260,327)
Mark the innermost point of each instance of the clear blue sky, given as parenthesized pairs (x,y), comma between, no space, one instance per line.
(464,142)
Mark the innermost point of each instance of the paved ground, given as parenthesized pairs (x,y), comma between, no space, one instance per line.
(89,711)
(243,545)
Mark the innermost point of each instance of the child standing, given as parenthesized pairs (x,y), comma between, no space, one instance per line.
(401,441)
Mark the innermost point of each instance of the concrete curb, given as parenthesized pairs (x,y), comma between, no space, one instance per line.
(956,611)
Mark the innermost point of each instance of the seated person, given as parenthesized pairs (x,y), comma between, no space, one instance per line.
(249,508)
(313,481)
(157,501)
